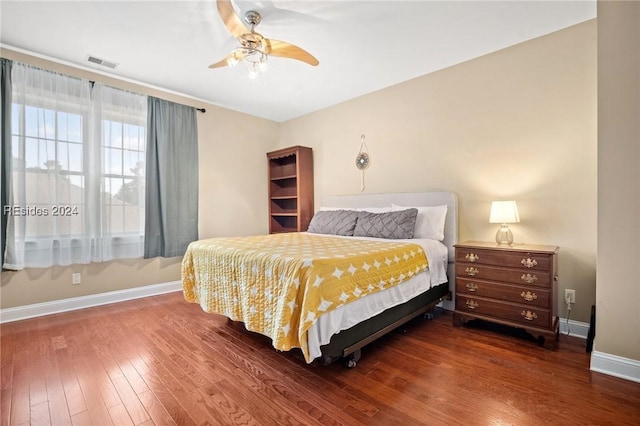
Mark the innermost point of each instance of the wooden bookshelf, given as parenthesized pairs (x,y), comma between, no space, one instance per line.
(290,189)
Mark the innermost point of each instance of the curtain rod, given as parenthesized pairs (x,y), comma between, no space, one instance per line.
(202,110)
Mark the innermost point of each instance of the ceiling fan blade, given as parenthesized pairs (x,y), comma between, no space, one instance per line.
(230,19)
(288,50)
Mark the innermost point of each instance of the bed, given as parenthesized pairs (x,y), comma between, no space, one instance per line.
(302,289)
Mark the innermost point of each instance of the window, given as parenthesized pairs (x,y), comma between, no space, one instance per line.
(78,153)
(123,153)
(48,151)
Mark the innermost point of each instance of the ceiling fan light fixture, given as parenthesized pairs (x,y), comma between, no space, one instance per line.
(257,67)
(232,62)
(254,49)
(255,59)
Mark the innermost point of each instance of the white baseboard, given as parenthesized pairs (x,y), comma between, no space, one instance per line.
(574,328)
(74,303)
(616,366)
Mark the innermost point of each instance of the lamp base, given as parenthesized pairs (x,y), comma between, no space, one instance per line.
(504,236)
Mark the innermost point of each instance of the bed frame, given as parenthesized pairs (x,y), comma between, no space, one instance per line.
(348,343)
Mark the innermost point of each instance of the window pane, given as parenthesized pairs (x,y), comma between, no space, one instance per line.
(129,192)
(48,121)
(106,133)
(31,121)
(133,165)
(38,153)
(112,161)
(47,155)
(63,132)
(75,157)
(143,139)
(63,156)
(113,191)
(76,189)
(63,190)
(116,135)
(131,140)
(15,152)
(40,188)
(74,125)
(131,218)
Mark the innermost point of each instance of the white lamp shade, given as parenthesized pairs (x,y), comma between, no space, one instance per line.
(504,212)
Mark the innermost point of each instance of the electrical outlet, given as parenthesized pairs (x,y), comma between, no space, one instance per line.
(570,295)
(75,278)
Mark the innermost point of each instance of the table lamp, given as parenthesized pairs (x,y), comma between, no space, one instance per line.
(504,212)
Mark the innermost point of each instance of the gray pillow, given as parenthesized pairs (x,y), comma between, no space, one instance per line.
(393,225)
(334,222)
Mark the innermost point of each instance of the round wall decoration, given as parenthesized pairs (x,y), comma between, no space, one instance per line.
(362,160)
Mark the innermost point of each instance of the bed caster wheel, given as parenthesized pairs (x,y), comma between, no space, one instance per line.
(352,359)
(428,316)
(327,360)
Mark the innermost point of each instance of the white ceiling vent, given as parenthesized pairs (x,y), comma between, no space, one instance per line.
(103,62)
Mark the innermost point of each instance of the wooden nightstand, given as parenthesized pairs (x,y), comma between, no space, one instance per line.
(512,285)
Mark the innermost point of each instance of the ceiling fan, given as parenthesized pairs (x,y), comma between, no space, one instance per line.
(254,48)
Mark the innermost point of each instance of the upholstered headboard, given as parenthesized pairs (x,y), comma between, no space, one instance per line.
(412,199)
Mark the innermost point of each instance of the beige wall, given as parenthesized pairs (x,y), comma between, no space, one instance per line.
(618,289)
(516,124)
(232,201)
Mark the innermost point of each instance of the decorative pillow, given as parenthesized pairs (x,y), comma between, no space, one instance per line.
(430,221)
(393,225)
(334,222)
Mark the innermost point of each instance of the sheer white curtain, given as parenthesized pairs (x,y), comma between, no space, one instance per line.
(121,120)
(72,144)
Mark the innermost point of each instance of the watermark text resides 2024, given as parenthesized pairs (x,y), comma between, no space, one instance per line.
(57,210)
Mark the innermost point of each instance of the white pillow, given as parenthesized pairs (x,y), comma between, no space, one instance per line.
(363,209)
(430,221)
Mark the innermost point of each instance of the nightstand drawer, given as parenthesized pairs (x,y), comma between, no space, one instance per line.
(494,273)
(537,297)
(528,315)
(525,260)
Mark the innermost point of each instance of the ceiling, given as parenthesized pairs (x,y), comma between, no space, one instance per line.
(362,46)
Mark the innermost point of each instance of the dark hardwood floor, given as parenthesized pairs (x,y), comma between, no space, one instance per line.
(162,361)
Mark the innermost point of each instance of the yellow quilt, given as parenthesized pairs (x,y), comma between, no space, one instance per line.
(279,284)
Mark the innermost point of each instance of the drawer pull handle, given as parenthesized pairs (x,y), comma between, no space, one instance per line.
(472,287)
(472,272)
(528,296)
(472,304)
(528,315)
(471,257)
(529,279)
(529,263)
